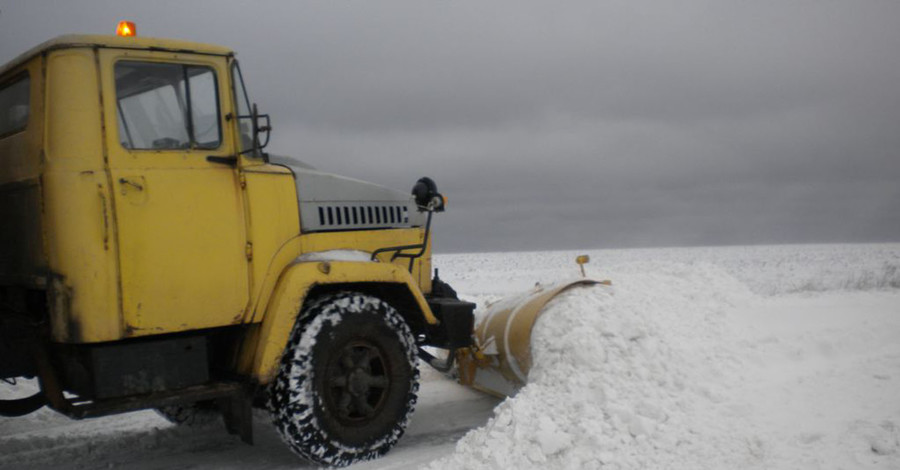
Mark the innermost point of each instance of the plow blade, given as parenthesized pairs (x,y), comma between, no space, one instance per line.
(500,361)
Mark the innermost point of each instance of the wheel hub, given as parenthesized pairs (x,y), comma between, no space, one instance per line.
(358,382)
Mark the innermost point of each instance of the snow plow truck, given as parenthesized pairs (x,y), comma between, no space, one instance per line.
(153,256)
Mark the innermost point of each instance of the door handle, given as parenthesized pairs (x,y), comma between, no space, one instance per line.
(230,161)
(137,186)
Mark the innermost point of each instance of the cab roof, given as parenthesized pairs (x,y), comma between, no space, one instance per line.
(116,42)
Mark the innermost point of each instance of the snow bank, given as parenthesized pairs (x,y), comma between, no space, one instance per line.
(623,379)
(776,270)
(689,362)
(765,270)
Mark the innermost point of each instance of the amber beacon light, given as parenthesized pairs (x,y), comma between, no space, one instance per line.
(126,28)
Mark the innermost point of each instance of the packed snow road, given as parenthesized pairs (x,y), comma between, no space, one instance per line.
(143,440)
(704,358)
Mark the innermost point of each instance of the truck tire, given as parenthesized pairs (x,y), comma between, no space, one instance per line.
(347,382)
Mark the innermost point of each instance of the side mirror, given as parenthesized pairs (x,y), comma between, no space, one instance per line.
(261,123)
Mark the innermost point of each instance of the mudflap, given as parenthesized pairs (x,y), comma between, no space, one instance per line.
(237,411)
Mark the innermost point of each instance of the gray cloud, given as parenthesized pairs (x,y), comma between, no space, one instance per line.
(575,124)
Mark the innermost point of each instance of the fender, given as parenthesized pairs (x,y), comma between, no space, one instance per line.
(262,351)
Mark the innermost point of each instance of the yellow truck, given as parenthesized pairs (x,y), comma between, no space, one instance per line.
(152,255)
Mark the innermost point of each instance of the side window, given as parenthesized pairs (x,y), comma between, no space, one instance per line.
(204,107)
(167,106)
(15,105)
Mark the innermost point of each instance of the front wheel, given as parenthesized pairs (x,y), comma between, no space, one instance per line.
(348,380)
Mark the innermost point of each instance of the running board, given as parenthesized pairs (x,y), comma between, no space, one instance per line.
(233,400)
(109,406)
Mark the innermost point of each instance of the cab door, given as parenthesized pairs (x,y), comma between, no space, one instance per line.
(179,214)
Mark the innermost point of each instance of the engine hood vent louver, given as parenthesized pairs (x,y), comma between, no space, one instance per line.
(362,215)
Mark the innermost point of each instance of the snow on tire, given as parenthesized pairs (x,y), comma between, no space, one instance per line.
(348,380)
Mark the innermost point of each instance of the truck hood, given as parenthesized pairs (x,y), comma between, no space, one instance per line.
(330,202)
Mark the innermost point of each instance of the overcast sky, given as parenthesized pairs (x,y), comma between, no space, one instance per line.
(569,124)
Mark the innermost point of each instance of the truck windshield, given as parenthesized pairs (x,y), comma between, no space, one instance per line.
(167,106)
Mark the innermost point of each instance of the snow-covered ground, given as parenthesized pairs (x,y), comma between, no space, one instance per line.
(784,357)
